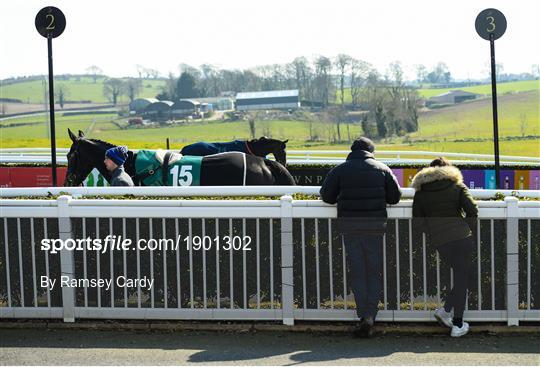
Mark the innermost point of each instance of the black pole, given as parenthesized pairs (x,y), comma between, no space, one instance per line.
(51,110)
(168,144)
(495,115)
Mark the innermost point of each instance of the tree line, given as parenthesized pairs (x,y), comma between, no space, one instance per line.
(336,85)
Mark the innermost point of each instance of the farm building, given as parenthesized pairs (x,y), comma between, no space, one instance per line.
(160,110)
(138,105)
(452,97)
(218,103)
(184,108)
(268,100)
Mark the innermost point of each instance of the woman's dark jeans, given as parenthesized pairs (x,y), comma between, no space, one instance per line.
(458,255)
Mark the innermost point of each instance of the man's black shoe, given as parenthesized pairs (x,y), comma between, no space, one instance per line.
(365,328)
(367,325)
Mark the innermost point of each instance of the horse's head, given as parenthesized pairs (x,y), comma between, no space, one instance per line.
(83,156)
(274,146)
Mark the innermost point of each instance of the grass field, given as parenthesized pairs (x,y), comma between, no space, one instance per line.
(474,119)
(297,132)
(502,88)
(78,90)
(179,135)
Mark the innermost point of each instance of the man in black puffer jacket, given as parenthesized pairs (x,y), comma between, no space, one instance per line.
(362,187)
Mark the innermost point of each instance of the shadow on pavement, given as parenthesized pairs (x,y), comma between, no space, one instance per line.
(223,347)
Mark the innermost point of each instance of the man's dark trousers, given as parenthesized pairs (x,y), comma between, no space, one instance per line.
(364,256)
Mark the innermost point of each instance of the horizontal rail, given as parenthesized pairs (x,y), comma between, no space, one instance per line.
(219,191)
(294,152)
(329,160)
(311,153)
(107,208)
(60,159)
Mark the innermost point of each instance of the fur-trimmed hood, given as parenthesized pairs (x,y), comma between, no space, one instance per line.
(432,174)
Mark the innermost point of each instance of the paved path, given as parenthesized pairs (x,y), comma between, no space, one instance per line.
(85,347)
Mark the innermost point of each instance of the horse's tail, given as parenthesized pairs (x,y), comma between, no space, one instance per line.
(281,175)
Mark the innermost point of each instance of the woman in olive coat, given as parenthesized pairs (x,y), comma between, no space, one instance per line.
(442,204)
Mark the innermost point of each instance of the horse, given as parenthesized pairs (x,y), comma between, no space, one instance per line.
(223,169)
(259,147)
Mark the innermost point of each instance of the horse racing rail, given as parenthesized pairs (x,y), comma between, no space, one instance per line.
(307,157)
(295,268)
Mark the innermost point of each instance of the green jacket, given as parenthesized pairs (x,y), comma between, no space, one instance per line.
(441,204)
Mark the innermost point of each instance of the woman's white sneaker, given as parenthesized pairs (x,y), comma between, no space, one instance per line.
(444,318)
(460,331)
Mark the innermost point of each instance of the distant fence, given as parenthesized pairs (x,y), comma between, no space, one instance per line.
(295,268)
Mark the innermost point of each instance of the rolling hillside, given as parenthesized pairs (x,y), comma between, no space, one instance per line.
(79,89)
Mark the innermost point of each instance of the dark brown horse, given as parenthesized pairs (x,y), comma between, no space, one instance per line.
(222,169)
(259,147)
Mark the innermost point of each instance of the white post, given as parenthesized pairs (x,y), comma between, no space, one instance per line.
(67,263)
(287,285)
(512,261)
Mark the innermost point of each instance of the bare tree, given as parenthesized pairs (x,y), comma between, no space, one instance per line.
(335,116)
(209,80)
(302,76)
(499,67)
(61,94)
(168,91)
(94,71)
(132,88)
(323,79)
(394,87)
(523,124)
(411,104)
(421,73)
(252,118)
(359,72)
(147,72)
(140,70)
(342,64)
(112,88)
(376,98)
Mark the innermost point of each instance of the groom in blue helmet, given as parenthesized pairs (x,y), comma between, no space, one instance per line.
(114,161)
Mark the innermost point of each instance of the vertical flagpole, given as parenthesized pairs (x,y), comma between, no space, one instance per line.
(51,111)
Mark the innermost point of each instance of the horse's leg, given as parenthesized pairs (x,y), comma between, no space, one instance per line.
(280,175)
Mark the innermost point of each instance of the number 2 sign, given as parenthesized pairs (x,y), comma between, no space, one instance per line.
(50,22)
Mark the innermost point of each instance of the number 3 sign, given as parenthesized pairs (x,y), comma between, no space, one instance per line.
(490,22)
(50,22)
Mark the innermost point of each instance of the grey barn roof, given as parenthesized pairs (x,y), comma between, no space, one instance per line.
(159,105)
(456,93)
(268,94)
(151,100)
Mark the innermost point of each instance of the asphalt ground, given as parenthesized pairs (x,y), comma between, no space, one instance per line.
(65,346)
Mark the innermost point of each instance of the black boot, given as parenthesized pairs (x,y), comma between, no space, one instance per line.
(368,324)
(358,331)
(365,328)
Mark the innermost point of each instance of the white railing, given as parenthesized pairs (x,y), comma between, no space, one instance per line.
(42,155)
(307,154)
(294,270)
(219,191)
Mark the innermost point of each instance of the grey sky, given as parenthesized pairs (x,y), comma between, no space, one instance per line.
(160,34)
